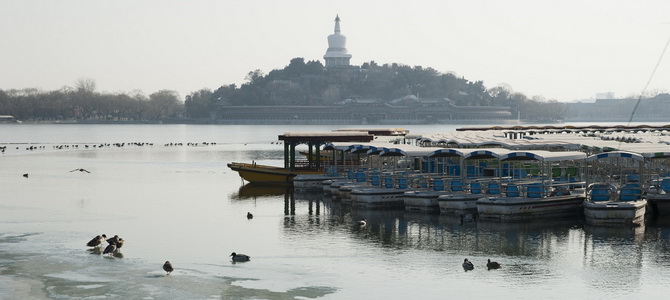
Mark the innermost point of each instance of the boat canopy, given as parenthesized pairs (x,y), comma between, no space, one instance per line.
(341,146)
(448,152)
(354,147)
(377,131)
(485,153)
(408,150)
(623,154)
(541,155)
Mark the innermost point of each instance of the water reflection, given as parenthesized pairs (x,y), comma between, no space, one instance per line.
(611,257)
(417,230)
(253,191)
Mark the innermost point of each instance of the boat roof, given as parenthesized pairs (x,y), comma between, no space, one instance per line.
(356,147)
(377,131)
(543,155)
(623,154)
(405,150)
(485,153)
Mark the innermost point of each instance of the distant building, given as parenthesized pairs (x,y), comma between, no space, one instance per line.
(608,95)
(404,110)
(336,55)
(7,119)
(656,109)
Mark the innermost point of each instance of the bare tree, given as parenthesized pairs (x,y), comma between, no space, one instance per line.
(86,85)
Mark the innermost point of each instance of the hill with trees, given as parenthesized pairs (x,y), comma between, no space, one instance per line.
(311,84)
(300,83)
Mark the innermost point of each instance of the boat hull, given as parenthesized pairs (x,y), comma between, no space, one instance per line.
(426,201)
(378,197)
(659,203)
(309,182)
(459,203)
(524,209)
(267,174)
(605,213)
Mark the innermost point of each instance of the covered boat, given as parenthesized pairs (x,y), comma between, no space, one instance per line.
(292,166)
(536,184)
(615,193)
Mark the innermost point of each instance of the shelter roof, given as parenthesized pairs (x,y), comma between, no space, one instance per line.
(325,137)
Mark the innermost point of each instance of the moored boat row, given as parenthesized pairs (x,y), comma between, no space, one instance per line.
(516,183)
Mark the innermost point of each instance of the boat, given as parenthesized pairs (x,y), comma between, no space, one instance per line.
(658,188)
(253,172)
(616,197)
(311,182)
(480,168)
(268,174)
(536,185)
(658,197)
(465,202)
(388,183)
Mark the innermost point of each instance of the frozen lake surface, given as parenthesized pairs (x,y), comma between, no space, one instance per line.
(182,204)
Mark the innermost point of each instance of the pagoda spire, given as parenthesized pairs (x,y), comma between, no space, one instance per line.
(336,55)
(337,24)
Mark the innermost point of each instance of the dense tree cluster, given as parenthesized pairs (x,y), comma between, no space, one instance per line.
(309,83)
(83,103)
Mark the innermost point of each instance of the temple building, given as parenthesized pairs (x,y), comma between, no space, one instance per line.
(336,55)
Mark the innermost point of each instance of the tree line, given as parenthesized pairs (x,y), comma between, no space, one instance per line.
(84,103)
(300,83)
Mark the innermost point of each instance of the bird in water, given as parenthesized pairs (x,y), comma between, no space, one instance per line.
(110,249)
(362,222)
(240,257)
(468,265)
(492,265)
(25,175)
(80,170)
(96,241)
(250,216)
(167,266)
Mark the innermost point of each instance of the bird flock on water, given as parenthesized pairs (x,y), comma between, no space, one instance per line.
(113,247)
(115,243)
(490,265)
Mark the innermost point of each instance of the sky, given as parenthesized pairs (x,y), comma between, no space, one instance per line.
(564,50)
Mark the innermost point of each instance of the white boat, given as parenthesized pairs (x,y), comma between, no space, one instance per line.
(481,166)
(310,182)
(465,203)
(389,195)
(536,185)
(617,198)
(658,197)
(393,183)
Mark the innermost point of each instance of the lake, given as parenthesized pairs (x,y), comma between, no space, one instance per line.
(168,193)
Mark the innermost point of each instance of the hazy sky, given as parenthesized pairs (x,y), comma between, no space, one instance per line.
(564,50)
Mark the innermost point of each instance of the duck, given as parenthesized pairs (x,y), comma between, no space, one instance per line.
(492,265)
(362,222)
(250,216)
(119,243)
(468,265)
(96,241)
(240,257)
(167,266)
(111,248)
(114,240)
